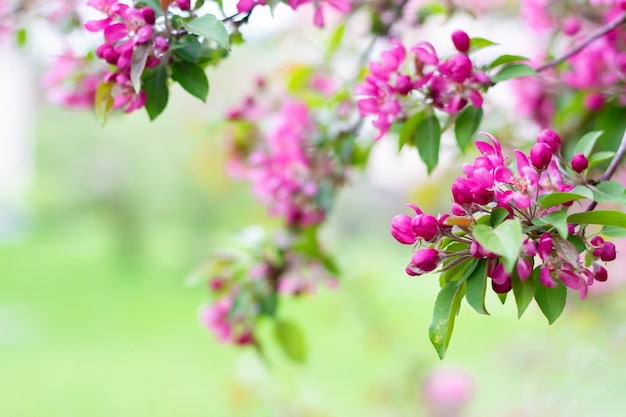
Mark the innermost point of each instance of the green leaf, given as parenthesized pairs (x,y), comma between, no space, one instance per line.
(192,78)
(554,199)
(138,64)
(506,59)
(587,142)
(599,157)
(291,340)
(446,308)
(455,272)
(408,129)
(558,219)
(609,192)
(477,287)
(505,240)
(269,304)
(498,215)
(429,10)
(502,296)
(524,291)
(604,217)
(513,71)
(157,92)
(335,40)
(103,102)
(466,125)
(427,139)
(480,43)
(21,37)
(209,27)
(613,231)
(577,242)
(188,48)
(551,301)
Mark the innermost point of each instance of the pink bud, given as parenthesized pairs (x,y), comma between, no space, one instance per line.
(425,226)
(579,162)
(608,252)
(461,193)
(540,155)
(545,247)
(571,25)
(461,41)
(184,4)
(524,268)
(594,101)
(597,241)
(550,138)
(148,15)
(529,248)
(599,272)
(546,278)
(458,67)
(424,260)
(497,273)
(401,229)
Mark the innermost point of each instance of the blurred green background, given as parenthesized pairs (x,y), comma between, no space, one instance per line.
(98,319)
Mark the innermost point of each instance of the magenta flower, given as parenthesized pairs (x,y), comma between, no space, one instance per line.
(401,229)
(461,41)
(540,155)
(579,162)
(423,261)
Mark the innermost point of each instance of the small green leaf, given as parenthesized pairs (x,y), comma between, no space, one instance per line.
(513,71)
(603,217)
(157,92)
(554,199)
(498,215)
(551,301)
(524,291)
(21,37)
(188,48)
(614,231)
(505,240)
(192,78)
(269,304)
(480,43)
(138,64)
(209,27)
(587,142)
(429,10)
(502,296)
(599,157)
(407,131)
(477,287)
(609,192)
(455,273)
(291,339)
(103,101)
(427,139)
(577,242)
(335,40)
(446,308)
(506,59)
(558,219)
(466,125)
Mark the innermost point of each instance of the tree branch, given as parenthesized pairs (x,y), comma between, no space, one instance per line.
(619,155)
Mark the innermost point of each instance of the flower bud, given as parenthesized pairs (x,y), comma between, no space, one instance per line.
(546,278)
(458,67)
(148,15)
(461,193)
(550,138)
(425,226)
(608,252)
(497,273)
(594,101)
(579,162)
(461,41)
(401,229)
(424,260)
(540,155)
(599,272)
(571,26)
(184,4)
(545,247)
(528,248)
(524,268)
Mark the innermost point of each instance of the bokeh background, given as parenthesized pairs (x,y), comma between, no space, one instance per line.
(101,228)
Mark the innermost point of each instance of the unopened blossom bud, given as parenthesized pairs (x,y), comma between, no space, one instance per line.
(148,15)
(579,162)
(401,229)
(571,228)
(571,25)
(461,193)
(528,248)
(425,226)
(183,4)
(597,241)
(594,101)
(461,41)
(497,273)
(550,138)
(458,209)
(478,252)
(404,85)
(458,67)
(608,252)
(502,288)
(246,338)
(424,260)
(442,220)
(599,272)
(540,155)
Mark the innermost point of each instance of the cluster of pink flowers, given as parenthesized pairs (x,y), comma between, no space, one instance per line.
(489,184)
(598,70)
(72,81)
(389,92)
(228,327)
(125,29)
(284,167)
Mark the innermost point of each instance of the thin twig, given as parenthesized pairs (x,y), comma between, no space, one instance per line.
(594,36)
(619,155)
